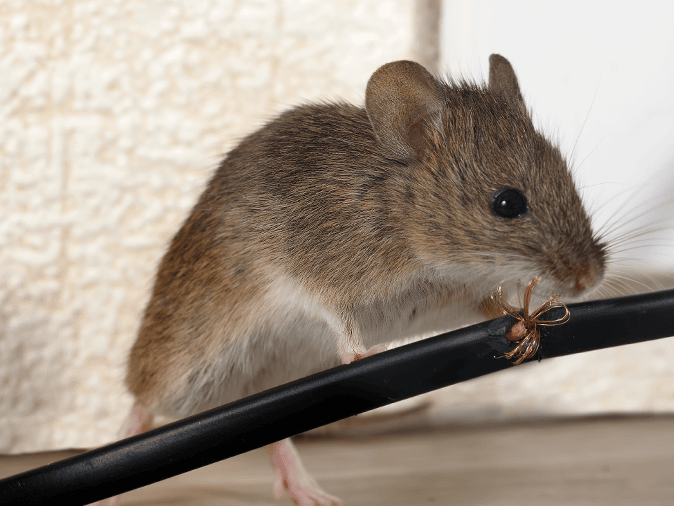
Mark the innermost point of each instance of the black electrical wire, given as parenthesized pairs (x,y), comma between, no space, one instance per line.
(330,396)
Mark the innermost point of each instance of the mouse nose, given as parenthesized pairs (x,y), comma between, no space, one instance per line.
(584,279)
(588,276)
(578,277)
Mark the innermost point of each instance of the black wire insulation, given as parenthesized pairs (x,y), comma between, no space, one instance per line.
(330,396)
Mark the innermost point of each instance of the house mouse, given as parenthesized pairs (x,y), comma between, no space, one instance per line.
(335,229)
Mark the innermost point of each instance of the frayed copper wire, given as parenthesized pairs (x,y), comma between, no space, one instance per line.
(525,332)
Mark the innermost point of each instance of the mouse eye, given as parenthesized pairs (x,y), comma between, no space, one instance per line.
(509,203)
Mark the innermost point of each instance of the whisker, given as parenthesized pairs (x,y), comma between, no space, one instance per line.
(639,236)
(652,225)
(618,224)
(633,195)
(622,259)
(590,153)
(631,280)
(640,244)
(573,150)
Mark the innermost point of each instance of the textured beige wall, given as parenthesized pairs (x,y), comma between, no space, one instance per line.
(112,117)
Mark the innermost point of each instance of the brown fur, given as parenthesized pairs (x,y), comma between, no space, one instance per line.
(363,209)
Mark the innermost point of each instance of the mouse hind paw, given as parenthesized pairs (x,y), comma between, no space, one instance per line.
(291,476)
(308,493)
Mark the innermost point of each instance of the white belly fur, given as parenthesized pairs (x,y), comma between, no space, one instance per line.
(298,337)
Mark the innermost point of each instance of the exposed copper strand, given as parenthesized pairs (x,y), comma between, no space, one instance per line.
(528,344)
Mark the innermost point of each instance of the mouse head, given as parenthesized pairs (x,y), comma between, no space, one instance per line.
(486,199)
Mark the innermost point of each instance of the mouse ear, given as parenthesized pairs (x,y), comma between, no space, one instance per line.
(502,78)
(401,97)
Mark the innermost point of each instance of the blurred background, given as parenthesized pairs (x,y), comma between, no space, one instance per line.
(114,115)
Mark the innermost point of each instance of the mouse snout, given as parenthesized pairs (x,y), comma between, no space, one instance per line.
(585,278)
(576,278)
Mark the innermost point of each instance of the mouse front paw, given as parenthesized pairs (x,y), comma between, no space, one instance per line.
(349,357)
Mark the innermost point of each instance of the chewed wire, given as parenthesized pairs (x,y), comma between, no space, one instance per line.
(525,332)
